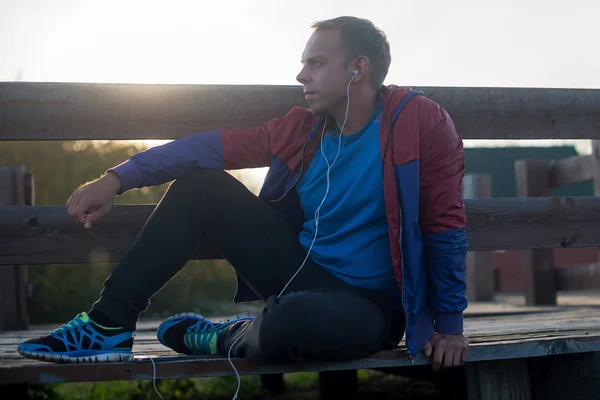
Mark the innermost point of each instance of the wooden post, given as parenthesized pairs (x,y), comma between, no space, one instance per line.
(565,376)
(498,380)
(480,272)
(15,187)
(596,155)
(539,278)
(596,176)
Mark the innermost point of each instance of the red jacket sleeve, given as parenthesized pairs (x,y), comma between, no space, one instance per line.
(442,216)
(442,170)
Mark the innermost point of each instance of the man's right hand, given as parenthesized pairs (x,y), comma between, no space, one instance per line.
(94,200)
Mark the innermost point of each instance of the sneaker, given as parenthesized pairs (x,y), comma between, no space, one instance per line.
(192,333)
(81,340)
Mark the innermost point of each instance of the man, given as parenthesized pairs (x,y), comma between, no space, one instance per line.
(356,237)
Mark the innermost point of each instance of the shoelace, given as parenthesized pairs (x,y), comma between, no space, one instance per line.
(75,322)
(205,331)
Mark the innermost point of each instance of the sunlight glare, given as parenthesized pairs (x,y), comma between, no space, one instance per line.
(170,43)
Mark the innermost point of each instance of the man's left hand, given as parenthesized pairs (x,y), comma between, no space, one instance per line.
(448,350)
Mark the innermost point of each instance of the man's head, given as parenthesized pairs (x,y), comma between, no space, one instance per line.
(336,48)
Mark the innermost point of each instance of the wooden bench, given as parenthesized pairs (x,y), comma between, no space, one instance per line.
(535,355)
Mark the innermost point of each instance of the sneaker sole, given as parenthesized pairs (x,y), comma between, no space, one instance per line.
(60,358)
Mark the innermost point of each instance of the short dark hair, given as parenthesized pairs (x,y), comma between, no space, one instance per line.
(360,37)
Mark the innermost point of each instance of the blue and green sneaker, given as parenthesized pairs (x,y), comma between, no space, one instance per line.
(81,341)
(192,333)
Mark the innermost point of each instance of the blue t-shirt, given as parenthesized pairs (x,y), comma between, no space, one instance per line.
(353,240)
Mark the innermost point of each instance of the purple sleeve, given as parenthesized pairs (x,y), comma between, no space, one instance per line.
(170,161)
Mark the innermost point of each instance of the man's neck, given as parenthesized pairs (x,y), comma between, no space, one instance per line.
(360,112)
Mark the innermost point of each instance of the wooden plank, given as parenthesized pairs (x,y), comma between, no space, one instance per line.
(180,366)
(13,278)
(540,288)
(46,234)
(558,321)
(571,170)
(578,277)
(480,273)
(68,111)
(569,376)
(498,380)
(596,155)
(546,322)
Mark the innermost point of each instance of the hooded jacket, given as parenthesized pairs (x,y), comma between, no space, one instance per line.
(423,167)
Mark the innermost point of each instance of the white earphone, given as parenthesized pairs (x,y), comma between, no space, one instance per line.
(317,214)
(329,166)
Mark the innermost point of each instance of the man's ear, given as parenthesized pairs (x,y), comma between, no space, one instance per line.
(360,68)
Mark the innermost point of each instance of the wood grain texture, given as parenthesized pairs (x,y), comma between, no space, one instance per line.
(596,155)
(571,170)
(532,180)
(13,278)
(558,330)
(46,234)
(69,111)
(498,380)
(174,366)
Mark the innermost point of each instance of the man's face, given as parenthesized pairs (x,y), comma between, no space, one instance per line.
(324,74)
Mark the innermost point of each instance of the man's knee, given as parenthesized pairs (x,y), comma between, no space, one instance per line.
(201,174)
(204,179)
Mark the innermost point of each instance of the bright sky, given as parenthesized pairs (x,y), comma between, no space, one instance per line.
(526,43)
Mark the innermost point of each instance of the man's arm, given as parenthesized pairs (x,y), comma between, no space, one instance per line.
(442,217)
(224,149)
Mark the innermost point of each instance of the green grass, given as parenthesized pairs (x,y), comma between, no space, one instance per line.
(373,385)
(218,388)
(181,389)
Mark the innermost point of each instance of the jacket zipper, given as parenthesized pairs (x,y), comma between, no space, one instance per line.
(297,179)
(410,357)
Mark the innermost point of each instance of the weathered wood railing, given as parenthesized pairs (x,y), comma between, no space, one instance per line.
(70,111)
(64,111)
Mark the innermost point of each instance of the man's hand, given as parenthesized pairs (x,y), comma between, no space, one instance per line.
(448,350)
(96,197)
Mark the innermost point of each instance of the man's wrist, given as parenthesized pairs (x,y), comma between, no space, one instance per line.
(449,323)
(115,180)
